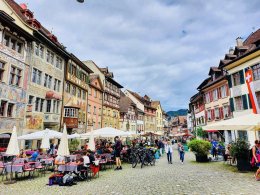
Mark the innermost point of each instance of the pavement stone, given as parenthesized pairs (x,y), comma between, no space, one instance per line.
(214,178)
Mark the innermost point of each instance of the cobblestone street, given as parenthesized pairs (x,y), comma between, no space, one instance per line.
(164,178)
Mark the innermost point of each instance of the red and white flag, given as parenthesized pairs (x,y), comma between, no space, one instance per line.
(251,89)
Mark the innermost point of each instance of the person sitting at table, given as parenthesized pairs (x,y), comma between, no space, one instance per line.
(22,154)
(34,156)
(59,160)
(91,156)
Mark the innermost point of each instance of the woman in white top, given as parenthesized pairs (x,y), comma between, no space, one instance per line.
(169,150)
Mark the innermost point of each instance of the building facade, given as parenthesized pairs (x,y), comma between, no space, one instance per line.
(159,117)
(14,70)
(128,114)
(247,56)
(75,95)
(95,102)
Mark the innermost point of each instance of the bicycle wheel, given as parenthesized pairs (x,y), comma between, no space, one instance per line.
(134,162)
(152,163)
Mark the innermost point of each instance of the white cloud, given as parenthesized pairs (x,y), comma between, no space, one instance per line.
(160,48)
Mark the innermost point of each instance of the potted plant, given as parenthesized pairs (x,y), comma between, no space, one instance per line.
(240,150)
(201,149)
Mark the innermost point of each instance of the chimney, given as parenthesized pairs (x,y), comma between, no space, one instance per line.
(231,50)
(23,6)
(239,41)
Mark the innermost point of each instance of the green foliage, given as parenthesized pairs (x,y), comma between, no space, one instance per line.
(73,145)
(240,149)
(201,133)
(200,147)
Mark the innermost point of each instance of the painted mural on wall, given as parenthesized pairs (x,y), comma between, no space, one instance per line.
(12,93)
(6,125)
(34,122)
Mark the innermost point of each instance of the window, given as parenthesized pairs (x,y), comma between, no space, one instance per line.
(79,93)
(47,81)
(236,79)
(10,110)
(58,107)
(48,56)
(52,58)
(7,40)
(13,43)
(41,51)
(94,111)
(36,77)
(56,86)
(41,105)
(89,91)
(226,111)
(71,112)
(15,76)
(54,106)
(89,108)
(95,93)
(73,90)
(223,91)
(217,116)
(37,103)
(67,87)
(30,101)
(36,49)
(258,98)
(2,70)
(3,107)
(256,71)
(59,62)
(238,103)
(215,95)
(48,106)
(209,115)
(207,97)
(83,95)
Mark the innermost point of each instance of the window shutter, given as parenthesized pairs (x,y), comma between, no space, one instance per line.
(231,101)
(227,88)
(221,112)
(219,93)
(242,79)
(211,96)
(213,114)
(244,98)
(206,115)
(249,101)
(229,81)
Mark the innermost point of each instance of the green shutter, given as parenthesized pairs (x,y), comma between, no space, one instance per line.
(231,102)
(242,79)
(249,101)
(244,98)
(229,81)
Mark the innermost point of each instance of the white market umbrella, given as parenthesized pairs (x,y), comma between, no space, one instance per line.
(63,149)
(13,148)
(104,132)
(75,135)
(91,143)
(249,122)
(45,141)
(51,134)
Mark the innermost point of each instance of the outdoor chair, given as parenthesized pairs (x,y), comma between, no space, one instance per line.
(28,169)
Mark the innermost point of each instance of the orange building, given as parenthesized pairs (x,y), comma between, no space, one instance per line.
(95,100)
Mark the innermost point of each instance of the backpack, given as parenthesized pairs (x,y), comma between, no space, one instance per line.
(67,180)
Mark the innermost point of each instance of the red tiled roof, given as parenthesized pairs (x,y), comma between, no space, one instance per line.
(252,38)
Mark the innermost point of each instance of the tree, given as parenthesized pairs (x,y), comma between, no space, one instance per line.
(201,133)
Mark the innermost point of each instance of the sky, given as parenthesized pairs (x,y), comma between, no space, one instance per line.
(162,48)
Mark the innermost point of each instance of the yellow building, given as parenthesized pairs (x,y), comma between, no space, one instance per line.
(159,116)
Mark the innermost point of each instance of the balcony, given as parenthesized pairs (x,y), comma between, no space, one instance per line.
(51,118)
(112,92)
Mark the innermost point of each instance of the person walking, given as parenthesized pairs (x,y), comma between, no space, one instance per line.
(181,152)
(169,149)
(256,158)
(160,144)
(118,148)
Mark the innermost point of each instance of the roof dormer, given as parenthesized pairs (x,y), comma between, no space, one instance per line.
(34,23)
(26,12)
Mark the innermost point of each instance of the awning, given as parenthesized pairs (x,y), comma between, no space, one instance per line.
(249,122)
(211,131)
(52,95)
